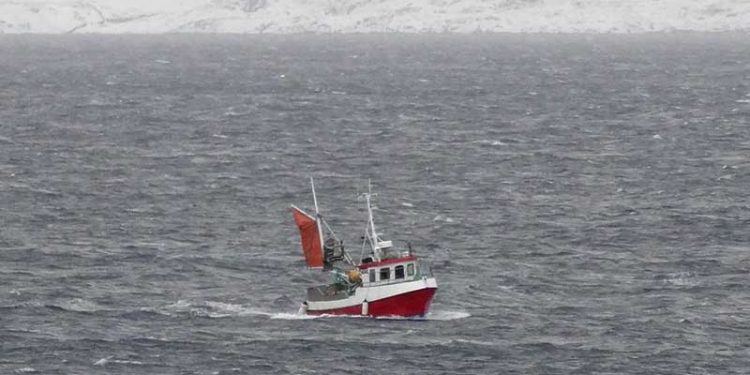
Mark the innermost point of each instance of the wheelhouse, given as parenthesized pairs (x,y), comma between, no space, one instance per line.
(390,271)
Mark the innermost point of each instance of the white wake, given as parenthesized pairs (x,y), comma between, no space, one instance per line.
(218,310)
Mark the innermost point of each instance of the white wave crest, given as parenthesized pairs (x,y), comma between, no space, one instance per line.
(79,305)
(102,361)
(447,315)
(211,309)
(106,360)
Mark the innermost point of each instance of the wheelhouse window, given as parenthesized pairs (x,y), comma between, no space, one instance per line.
(399,272)
(372,275)
(410,269)
(385,273)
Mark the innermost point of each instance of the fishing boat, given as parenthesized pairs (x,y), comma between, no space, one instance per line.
(386,281)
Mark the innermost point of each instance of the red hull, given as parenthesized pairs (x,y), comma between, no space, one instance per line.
(415,303)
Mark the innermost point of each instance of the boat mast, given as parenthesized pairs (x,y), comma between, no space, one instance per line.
(320,222)
(373,234)
(317,213)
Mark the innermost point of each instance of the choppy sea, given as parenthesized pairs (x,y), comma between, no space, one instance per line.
(582,199)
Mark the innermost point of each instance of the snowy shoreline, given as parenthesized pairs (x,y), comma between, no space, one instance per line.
(374,16)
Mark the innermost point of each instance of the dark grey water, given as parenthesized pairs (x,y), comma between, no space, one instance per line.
(583,201)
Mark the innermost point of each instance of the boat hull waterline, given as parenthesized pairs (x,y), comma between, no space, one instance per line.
(410,299)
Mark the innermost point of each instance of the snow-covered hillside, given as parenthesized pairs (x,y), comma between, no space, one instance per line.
(292,16)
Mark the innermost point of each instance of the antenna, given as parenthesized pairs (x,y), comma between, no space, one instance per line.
(373,233)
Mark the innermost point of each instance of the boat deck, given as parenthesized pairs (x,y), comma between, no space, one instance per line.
(326,293)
